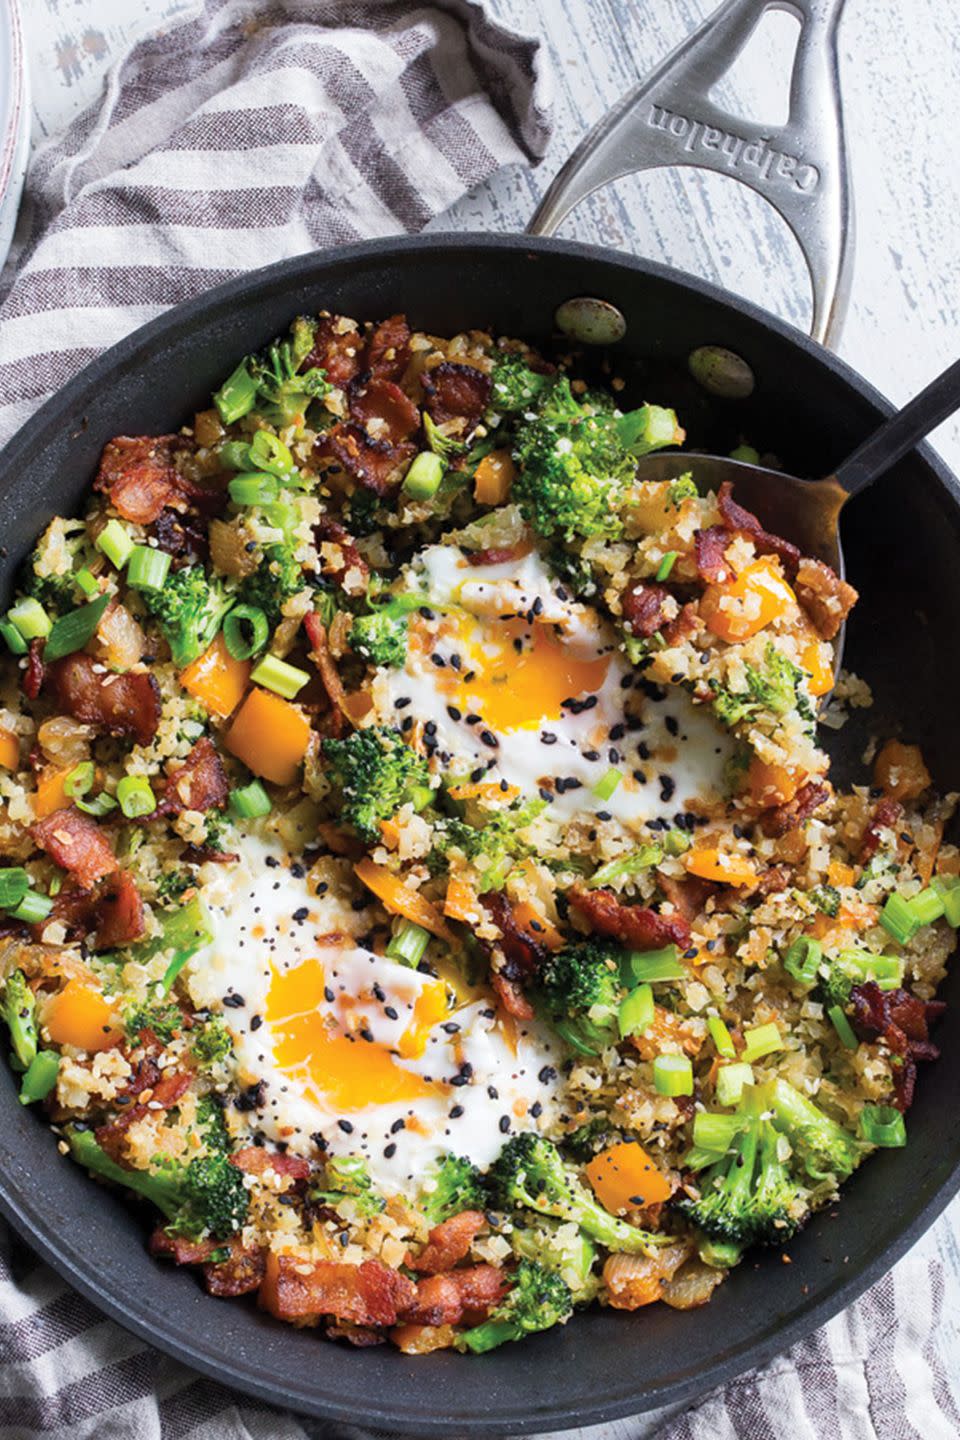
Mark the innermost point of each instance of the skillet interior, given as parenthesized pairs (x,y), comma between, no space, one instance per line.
(901,546)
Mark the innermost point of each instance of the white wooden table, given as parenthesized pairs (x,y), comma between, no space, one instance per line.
(900,67)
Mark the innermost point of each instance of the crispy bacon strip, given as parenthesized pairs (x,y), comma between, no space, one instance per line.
(388,348)
(886,815)
(448,1243)
(523,953)
(643,609)
(329,674)
(736,518)
(375,464)
(199,783)
(454,390)
(255,1159)
(120,913)
(689,895)
(635,925)
(121,705)
(336,351)
(367,1294)
(826,598)
(383,409)
(240,1274)
(33,675)
(76,843)
(328,529)
(781,818)
(511,996)
(709,552)
(457,1296)
(902,1021)
(683,626)
(165,1091)
(138,474)
(179,1249)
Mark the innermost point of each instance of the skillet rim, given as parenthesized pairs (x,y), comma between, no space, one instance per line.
(81,1272)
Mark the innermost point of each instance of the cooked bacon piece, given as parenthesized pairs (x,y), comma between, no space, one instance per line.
(635,925)
(689,895)
(138,474)
(335,350)
(180,535)
(709,550)
(886,815)
(199,783)
(74,909)
(240,1274)
(458,1296)
(826,598)
(255,1159)
(382,408)
(360,1336)
(683,626)
(330,530)
(523,953)
(329,674)
(367,1294)
(203,854)
(374,464)
(495,555)
(453,390)
(776,822)
(737,519)
(902,1021)
(179,1249)
(448,1242)
(388,348)
(33,675)
(775,879)
(119,704)
(76,843)
(162,1088)
(120,913)
(511,996)
(643,609)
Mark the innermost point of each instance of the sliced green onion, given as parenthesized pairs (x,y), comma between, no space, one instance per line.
(39,1077)
(246,631)
(886,970)
(75,629)
(422,480)
(654,965)
(676,842)
(236,396)
(730,1082)
(147,569)
(80,779)
(408,943)
(716,1132)
(898,919)
(948,888)
(30,618)
(276,675)
(87,582)
(722,1038)
(763,1040)
(14,640)
(802,959)
(636,1011)
(842,1026)
(630,864)
(927,906)
(251,801)
(101,804)
(235,455)
(282,516)
(884,1126)
(33,908)
(608,783)
(268,452)
(673,1075)
(115,542)
(14,884)
(666,564)
(136,796)
(254,489)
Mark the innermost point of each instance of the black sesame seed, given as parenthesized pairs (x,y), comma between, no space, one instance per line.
(389,1151)
(397,1126)
(272,861)
(235,1002)
(301,914)
(453,712)
(488,738)
(456,1111)
(547,737)
(390,1012)
(546,1075)
(328,995)
(505,1124)
(345,1126)
(256,1022)
(402,702)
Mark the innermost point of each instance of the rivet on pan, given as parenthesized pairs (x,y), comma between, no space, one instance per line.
(590,321)
(721,372)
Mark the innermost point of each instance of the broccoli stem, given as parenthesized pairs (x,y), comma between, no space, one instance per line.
(490,1335)
(19,1010)
(159,1189)
(825,1147)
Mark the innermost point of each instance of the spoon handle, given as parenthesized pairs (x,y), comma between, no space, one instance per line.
(898,435)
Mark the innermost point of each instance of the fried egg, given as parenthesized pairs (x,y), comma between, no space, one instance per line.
(344,1050)
(514,681)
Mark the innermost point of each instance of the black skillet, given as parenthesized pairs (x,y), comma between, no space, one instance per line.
(902,545)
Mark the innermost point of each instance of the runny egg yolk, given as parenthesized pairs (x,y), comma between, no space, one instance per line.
(331,1066)
(514,689)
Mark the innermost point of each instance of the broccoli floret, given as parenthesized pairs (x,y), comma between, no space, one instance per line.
(515,386)
(273,384)
(824,1147)
(499,840)
(206,1196)
(457,1186)
(685,488)
(362,514)
(173,883)
(189,610)
(164,1020)
(529,1174)
(278,576)
(774,689)
(575,573)
(562,1247)
(18,1009)
(217,830)
(590,1138)
(538,1300)
(212,1126)
(443,445)
(210,1041)
(380,638)
(581,992)
(346,1178)
(750,1197)
(827,899)
(55,592)
(376,773)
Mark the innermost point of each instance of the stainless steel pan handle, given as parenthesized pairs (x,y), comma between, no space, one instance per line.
(799,167)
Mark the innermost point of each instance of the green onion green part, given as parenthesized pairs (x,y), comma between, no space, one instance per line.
(76,629)
(802,960)
(253,489)
(33,908)
(236,396)
(948,888)
(763,1040)
(14,640)
(899,920)
(251,801)
(114,541)
(721,1037)
(607,783)
(136,796)
(246,631)
(276,675)
(636,1011)
(654,965)
(842,1026)
(884,1126)
(147,569)
(408,943)
(673,1075)
(40,1077)
(730,1082)
(666,565)
(14,884)
(30,618)
(422,480)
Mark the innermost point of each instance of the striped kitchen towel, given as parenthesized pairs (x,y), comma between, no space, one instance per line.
(247,132)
